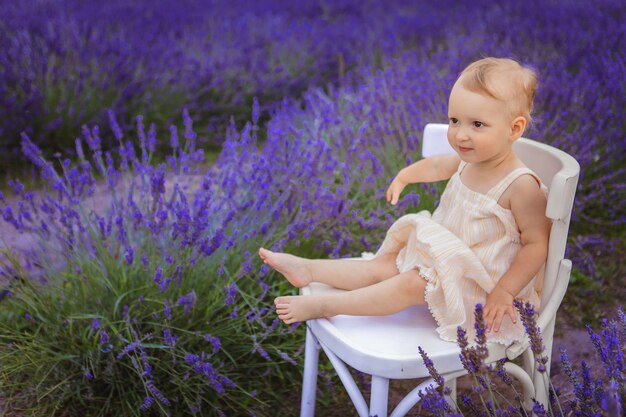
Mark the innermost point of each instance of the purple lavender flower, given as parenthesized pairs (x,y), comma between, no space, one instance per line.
(257,348)
(167,310)
(157,393)
(196,408)
(191,358)
(190,135)
(506,378)
(469,403)
(95,324)
(480,327)
(104,337)
(529,319)
(432,371)
(117,131)
(473,357)
(157,182)
(17,186)
(141,131)
(174,143)
(231,294)
(215,380)
(169,338)
(152,138)
(164,284)
(255,111)
(129,255)
(147,404)
(434,402)
(611,351)
(31,151)
(131,347)
(187,301)
(112,175)
(284,356)
(92,137)
(215,342)
(612,399)
(158,274)
(539,410)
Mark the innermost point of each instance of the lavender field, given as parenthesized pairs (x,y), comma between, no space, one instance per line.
(171,140)
(65,62)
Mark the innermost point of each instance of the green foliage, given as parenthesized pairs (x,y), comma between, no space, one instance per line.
(47,334)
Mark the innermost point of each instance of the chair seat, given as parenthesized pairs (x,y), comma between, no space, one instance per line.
(387,346)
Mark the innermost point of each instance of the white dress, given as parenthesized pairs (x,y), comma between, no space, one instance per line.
(462,250)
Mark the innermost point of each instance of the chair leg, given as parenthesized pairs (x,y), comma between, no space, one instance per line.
(348,382)
(542,379)
(524,379)
(528,362)
(379,396)
(309,382)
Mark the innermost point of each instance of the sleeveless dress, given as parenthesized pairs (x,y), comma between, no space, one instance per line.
(462,250)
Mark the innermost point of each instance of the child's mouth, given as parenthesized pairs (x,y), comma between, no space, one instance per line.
(462,149)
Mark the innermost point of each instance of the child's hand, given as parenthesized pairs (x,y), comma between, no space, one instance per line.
(395,189)
(499,303)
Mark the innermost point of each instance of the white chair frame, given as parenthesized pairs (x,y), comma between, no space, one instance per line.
(386,347)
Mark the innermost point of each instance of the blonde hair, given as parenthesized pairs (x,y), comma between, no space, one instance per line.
(503,79)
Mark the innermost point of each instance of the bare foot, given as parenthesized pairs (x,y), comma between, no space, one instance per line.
(291,309)
(292,267)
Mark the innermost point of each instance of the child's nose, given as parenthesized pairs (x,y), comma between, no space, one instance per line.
(461,134)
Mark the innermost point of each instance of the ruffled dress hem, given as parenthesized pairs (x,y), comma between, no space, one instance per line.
(451,270)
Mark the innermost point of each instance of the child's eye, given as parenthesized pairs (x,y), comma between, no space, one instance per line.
(478,124)
(453,121)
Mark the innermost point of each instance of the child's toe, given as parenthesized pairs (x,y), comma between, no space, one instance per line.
(281,300)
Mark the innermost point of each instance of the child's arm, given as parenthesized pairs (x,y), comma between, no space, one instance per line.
(435,168)
(528,205)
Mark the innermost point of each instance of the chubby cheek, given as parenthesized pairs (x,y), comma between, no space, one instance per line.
(451,134)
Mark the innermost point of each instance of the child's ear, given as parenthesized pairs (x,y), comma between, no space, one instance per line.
(518,125)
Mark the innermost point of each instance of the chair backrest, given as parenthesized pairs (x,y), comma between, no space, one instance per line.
(556,169)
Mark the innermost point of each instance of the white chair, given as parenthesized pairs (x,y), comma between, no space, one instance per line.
(386,347)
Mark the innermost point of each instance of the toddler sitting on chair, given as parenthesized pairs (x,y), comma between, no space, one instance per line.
(486,242)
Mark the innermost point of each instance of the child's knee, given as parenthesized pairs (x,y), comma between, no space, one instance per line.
(415,283)
(385,265)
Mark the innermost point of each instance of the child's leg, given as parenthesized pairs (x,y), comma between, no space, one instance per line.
(339,273)
(386,297)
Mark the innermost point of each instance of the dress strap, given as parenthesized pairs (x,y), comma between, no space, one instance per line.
(462,165)
(498,189)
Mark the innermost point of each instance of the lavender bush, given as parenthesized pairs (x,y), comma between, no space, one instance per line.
(160,289)
(141,290)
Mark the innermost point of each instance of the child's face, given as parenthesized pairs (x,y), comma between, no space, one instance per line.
(479,126)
